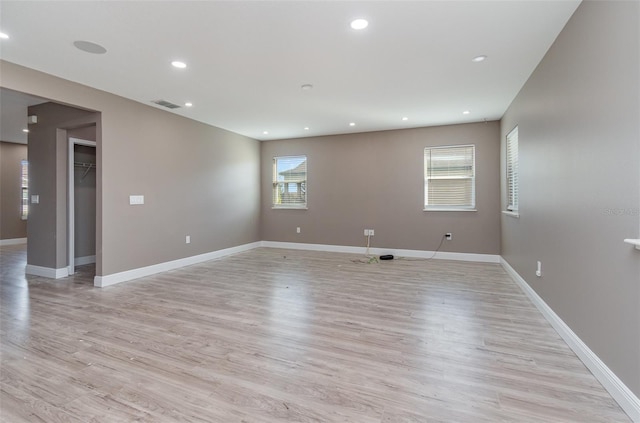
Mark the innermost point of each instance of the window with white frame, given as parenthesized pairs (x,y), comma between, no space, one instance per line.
(449,178)
(290,182)
(512,170)
(24,189)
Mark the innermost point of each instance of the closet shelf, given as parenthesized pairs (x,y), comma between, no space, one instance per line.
(634,242)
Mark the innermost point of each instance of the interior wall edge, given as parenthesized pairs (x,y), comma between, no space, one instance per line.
(629,402)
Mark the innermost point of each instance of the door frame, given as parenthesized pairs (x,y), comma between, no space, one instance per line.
(71,230)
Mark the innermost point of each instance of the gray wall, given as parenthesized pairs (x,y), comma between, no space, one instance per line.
(84,190)
(579,139)
(47,230)
(87,133)
(375,180)
(11,224)
(197,180)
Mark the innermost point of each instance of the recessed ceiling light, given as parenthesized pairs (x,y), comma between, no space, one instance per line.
(466,112)
(306,87)
(405,118)
(89,47)
(352,124)
(478,59)
(25,130)
(306,128)
(359,24)
(265,132)
(188,104)
(3,36)
(178,64)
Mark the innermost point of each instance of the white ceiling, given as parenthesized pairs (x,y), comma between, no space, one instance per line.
(248,59)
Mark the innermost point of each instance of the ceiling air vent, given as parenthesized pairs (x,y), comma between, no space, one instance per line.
(166,104)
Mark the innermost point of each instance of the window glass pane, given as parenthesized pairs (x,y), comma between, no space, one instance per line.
(289,181)
(24,206)
(449,177)
(512,170)
(450,192)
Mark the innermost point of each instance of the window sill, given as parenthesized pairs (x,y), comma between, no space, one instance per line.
(289,208)
(634,242)
(450,210)
(511,213)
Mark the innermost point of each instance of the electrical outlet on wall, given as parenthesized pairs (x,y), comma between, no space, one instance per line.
(187,239)
(448,236)
(298,230)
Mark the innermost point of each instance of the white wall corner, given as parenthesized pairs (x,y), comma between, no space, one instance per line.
(46,272)
(441,255)
(627,400)
(115,278)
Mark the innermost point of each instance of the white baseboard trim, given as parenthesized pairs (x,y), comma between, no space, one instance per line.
(442,255)
(618,390)
(80,261)
(12,241)
(47,272)
(108,280)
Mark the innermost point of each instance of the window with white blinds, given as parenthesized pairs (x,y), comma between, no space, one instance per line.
(512,170)
(24,186)
(290,182)
(449,178)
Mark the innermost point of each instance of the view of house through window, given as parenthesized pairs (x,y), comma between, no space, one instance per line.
(449,178)
(24,207)
(290,182)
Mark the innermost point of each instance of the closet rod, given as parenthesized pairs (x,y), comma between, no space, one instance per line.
(82,164)
(89,166)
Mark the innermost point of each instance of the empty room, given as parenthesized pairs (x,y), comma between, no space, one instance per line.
(320,211)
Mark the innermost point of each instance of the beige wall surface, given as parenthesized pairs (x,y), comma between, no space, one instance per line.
(197,180)
(376,181)
(11,224)
(87,133)
(47,230)
(579,140)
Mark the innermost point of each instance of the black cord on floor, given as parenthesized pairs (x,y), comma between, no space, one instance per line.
(428,258)
(374,259)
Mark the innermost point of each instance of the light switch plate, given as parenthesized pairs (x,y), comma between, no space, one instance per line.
(35,199)
(136,199)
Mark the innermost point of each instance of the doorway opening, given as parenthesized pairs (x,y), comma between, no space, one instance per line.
(81,203)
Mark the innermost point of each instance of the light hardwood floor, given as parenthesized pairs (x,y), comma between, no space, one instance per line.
(288,336)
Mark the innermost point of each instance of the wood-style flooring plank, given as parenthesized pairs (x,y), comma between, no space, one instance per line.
(276,335)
